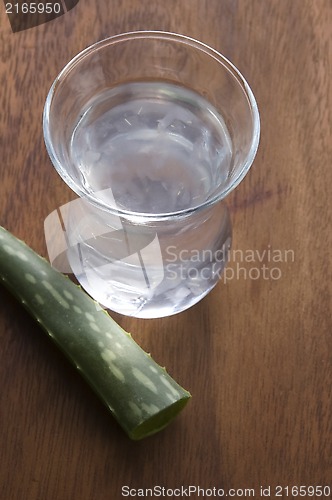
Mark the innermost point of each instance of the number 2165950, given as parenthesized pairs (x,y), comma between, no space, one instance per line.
(302,491)
(33,8)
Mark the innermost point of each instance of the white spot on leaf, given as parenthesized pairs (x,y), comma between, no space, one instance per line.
(8,249)
(39,299)
(55,294)
(77,309)
(169,386)
(29,277)
(151,409)
(68,295)
(90,317)
(144,379)
(94,327)
(134,408)
(22,256)
(116,372)
(108,355)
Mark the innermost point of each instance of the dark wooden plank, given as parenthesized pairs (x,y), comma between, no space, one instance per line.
(255,353)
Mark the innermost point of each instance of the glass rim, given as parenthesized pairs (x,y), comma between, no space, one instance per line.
(162,35)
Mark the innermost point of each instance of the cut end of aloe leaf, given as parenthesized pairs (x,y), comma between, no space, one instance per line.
(140,394)
(159,421)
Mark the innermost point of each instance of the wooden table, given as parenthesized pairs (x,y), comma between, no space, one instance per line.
(256,353)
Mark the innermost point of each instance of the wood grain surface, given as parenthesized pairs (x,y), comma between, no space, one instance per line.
(256,353)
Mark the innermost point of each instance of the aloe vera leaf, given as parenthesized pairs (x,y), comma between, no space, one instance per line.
(140,394)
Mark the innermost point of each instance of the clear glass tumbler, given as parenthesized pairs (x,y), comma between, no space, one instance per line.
(151,130)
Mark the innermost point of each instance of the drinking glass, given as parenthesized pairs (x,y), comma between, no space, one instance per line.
(151,130)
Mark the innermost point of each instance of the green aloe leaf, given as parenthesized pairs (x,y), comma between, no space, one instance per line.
(140,394)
